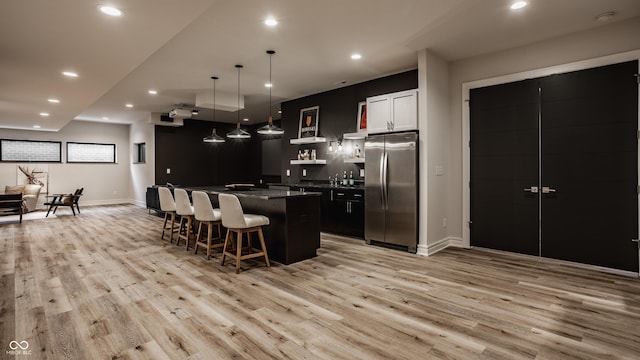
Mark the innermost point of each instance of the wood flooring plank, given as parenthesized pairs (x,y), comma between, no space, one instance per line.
(7,253)
(64,341)
(32,326)
(147,351)
(7,310)
(175,344)
(54,297)
(210,339)
(120,323)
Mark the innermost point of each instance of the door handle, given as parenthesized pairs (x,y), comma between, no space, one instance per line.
(533,189)
(637,241)
(547,190)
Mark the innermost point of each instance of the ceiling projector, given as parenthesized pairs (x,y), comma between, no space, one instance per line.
(179,114)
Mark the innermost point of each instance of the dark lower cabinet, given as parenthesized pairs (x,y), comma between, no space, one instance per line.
(345,212)
(153,200)
(342,210)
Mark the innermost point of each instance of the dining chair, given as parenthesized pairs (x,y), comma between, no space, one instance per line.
(185,210)
(206,215)
(168,206)
(239,223)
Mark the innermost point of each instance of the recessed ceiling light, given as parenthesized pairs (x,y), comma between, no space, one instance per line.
(245,119)
(129,105)
(356,57)
(153,92)
(110,10)
(271,22)
(53,101)
(44,114)
(518,5)
(36,126)
(268,85)
(70,74)
(279,111)
(105,118)
(606,16)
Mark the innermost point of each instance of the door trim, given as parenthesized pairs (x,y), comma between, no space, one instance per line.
(466,87)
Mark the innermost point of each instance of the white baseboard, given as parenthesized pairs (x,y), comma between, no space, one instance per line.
(82,203)
(430,249)
(105,202)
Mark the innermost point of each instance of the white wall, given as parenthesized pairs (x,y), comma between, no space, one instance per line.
(604,40)
(103,183)
(433,122)
(142,175)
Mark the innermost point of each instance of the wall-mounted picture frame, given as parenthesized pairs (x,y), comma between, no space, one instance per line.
(308,122)
(362,116)
(33,174)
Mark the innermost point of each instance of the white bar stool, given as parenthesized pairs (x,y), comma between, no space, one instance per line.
(239,223)
(168,206)
(185,210)
(207,216)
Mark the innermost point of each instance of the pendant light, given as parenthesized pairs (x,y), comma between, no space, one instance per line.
(270,129)
(214,138)
(238,133)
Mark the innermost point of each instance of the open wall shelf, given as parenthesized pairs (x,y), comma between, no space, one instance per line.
(308,162)
(309,140)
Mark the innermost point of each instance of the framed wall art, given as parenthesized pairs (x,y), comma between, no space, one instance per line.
(362,116)
(308,122)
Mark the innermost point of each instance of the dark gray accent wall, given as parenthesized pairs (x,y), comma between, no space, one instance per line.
(338,115)
(193,162)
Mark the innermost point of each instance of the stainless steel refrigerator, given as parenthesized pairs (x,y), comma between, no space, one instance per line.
(391,189)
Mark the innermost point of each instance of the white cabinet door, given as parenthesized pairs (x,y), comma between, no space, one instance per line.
(392,112)
(378,114)
(404,110)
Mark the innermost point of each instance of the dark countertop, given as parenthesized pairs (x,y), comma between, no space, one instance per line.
(265,194)
(321,185)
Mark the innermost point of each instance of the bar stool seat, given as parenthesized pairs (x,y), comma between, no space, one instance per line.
(185,210)
(207,216)
(168,206)
(239,223)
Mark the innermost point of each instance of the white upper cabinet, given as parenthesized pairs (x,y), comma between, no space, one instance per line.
(392,112)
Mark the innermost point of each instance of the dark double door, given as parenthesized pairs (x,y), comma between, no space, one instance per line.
(554,166)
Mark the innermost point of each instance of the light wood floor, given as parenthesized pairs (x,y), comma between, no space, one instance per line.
(102,285)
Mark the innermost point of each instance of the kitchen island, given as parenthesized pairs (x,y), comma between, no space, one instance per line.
(293,233)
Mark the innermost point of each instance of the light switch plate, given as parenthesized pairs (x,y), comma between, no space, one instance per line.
(361,172)
(439,170)
(168,171)
(288,172)
(304,172)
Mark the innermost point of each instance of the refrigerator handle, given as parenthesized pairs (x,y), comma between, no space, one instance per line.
(385,195)
(382,181)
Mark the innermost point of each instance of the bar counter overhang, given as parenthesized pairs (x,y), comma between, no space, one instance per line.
(293,233)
